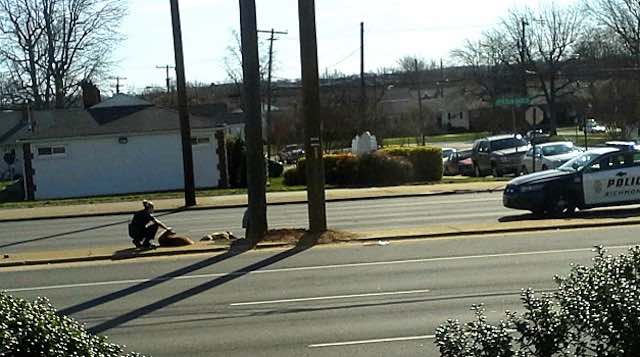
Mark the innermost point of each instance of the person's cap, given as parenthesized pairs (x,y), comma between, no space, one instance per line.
(147,204)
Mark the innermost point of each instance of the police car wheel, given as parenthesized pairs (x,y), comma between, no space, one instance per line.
(561,205)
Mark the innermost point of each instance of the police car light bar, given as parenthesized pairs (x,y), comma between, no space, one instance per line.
(622,145)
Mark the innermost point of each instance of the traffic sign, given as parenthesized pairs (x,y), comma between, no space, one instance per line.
(513,101)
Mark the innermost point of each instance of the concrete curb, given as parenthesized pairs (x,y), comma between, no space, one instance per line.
(262,246)
(231,206)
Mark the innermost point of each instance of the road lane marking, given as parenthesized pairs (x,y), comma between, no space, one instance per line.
(380,340)
(312,268)
(377,340)
(335,297)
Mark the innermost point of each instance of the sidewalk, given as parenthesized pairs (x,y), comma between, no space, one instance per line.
(273,198)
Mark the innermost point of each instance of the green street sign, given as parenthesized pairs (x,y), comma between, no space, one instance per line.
(513,101)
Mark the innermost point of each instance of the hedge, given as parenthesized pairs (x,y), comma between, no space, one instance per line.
(594,311)
(381,169)
(36,329)
(426,161)
(384,167)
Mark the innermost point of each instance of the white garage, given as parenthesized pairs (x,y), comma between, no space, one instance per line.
(122,145)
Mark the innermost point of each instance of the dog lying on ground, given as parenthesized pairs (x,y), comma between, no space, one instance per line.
(219,236)
(170,239)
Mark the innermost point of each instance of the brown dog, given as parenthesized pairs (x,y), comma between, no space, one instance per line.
(170,239)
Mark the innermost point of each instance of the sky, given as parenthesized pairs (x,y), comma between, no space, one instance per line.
(393,28)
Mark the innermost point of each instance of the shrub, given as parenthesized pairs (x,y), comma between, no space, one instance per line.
(426,161)
(237,156)
(35,329)
(275,168)
(595,311)
(380,168)
(341,169)
(293,177)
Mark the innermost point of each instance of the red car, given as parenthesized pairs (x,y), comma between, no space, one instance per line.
(458,163)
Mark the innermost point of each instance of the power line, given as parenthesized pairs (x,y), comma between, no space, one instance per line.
(345,58)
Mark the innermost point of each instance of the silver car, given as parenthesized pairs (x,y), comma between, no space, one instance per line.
(550,156)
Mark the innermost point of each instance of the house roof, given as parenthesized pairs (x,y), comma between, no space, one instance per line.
(12,126)
(122,100)
(81,123)
(122,115)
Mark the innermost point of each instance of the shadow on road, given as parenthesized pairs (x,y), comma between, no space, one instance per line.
(342,306)
(588,214)
(81,230)
(232,252)
(307,242)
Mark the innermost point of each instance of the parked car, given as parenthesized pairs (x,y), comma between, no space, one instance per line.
(458,163)
(605,176)
(291,153)
(498,155)
(592,126)
(549,156)
(446,152)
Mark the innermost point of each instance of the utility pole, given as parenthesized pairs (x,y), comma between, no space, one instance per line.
(118,79)
(313,125)
(168,79)
(420,118)
(183,112)
(256,178)
(363,85)
(269,94)
(523,58)
(442,79)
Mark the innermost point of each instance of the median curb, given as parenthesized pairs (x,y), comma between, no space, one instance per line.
(366,238)
(244,205)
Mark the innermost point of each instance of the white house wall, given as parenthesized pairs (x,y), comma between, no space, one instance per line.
(103,166)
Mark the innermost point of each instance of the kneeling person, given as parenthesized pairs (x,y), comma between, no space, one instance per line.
(144,226)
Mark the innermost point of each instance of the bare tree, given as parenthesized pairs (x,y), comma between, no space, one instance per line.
(50,46)
(489,62)
(232,61)
(622,17)
(615,102)
(552,34)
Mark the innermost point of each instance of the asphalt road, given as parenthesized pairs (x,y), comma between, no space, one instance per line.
(62,234)
(357,300)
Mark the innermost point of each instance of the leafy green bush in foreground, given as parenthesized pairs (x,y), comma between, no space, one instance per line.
(35,329)
(595,311)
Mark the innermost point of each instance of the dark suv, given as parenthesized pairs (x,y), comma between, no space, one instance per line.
(498,155)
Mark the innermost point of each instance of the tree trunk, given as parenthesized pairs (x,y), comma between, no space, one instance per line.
(33,74)
(60,93)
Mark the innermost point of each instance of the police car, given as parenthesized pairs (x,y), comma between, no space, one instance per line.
(605,176)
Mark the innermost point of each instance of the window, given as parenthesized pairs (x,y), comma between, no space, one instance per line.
(51,151)
(200,140)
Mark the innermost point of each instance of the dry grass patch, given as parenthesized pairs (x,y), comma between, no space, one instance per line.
(303,237)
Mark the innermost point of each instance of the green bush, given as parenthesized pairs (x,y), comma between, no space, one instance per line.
(341,169)
(385,167)
(426,161)
(381,169)
(237,156)
(595,311)
(293,177)
(35,329)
